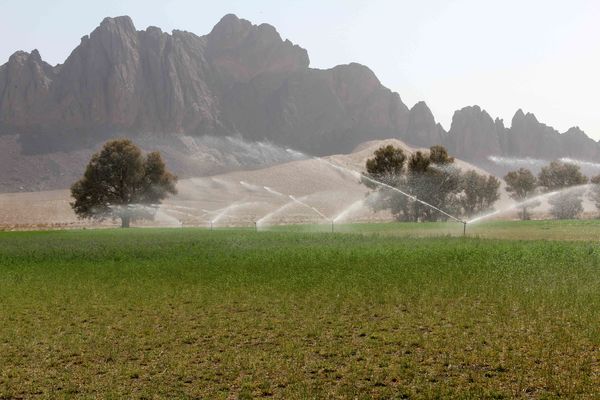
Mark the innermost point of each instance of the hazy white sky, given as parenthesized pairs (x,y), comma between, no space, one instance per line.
(541,56)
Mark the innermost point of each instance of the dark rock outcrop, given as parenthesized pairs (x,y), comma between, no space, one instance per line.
(240,79)
(318,111)
(422,129)
(475,134)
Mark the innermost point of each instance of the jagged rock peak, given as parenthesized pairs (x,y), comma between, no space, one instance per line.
(240,78)
(35,54)
(123,23)
(475,134)
(470,116)
(230,24)
(422,129)
(519,114)
(115,35)
(19,57)
(421,107)
(241,51)
(474,109)
(357,71)
(231,31)
(523,118)
(422,113)
(154,30)
(575,131)
(499,122)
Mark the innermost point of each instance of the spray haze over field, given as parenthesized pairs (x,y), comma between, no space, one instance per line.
(328,188)
(293,188)
(211,213)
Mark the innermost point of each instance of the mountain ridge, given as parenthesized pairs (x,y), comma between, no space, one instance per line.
(239,79)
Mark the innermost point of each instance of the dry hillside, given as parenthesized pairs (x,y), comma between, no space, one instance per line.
(235,198)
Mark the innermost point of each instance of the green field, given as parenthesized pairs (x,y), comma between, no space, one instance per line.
(189,313)
(587,230)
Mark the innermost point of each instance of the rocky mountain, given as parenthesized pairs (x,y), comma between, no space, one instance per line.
(240,80)
(475,136)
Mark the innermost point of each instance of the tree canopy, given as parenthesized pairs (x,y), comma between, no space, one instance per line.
(520,185)
(386,165)
(480,192)
(431,177)
(560,175)
(556,176)
(119,182)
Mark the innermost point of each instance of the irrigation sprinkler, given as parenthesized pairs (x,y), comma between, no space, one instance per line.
(332,225)
(383,184)
(211,226)
(255,227)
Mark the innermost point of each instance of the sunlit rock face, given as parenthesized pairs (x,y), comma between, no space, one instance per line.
(422,130)
(239,80)
(475,134)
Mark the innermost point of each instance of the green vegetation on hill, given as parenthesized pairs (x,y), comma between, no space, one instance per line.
(189,313)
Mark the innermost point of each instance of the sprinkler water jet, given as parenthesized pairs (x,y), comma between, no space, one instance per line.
(361,175)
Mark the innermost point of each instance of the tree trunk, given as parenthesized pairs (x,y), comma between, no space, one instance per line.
(125,222)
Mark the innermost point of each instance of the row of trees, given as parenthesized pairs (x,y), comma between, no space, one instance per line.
(433,178)
(120,182)
(562,182)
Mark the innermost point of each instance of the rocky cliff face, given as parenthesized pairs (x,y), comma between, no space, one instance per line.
(474,132)
(318,111)
(422,130)
(240,79)
(475,136)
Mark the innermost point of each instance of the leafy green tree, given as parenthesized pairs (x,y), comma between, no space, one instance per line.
(119,182)
(434,180)
(429,176)
(387,166)
(479,192)
(439,155)
(558,176)
(522,184)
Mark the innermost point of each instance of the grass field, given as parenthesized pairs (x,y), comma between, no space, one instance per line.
(188,313)
(587,230)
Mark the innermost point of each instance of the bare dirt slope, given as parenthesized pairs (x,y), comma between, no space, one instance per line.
(235,198)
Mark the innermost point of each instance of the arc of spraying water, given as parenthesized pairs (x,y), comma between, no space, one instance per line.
(375,181)
(531,200)
(360,175)
(223,213)
(275,212)
(278,194)
(272,191)
(309,207)
(354,206)
(250,187)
